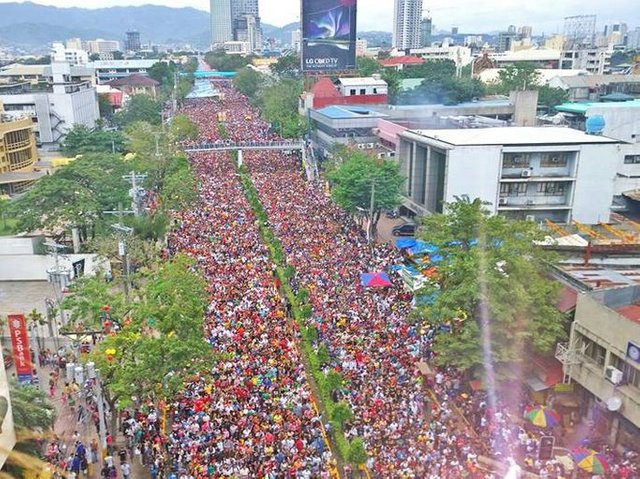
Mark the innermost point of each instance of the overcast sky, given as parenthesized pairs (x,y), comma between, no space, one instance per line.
(469,15)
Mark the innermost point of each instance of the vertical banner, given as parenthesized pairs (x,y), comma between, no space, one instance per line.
(21,352)
(328,35)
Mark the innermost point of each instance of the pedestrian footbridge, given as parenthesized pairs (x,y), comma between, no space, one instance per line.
(246,145)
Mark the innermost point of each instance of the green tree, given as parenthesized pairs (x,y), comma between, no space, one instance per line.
(4,211)
(519,76)
(287,66)
(279,105)
(367,66)
(33,419)
(140,108)
(357,453)
(182,128)
(80,140)
(248,81)
(86,300)
(361,176)
(75,195)
(162,343)
(222,61)
(550,97)
(162,72)
(492,279)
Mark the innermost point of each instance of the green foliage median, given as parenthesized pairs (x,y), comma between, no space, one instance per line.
(316,357)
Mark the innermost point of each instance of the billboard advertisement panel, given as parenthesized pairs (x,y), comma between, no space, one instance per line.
(328,35)
(21,352)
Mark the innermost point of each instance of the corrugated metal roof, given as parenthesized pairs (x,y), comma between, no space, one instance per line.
(582,107)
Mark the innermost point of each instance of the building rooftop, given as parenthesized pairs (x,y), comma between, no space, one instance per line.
(362,81)
(582,107)
(102,64)
(403,60)
(491,75)
(349,112)
(513,136)
(533,54)
(593,81)
(134,80)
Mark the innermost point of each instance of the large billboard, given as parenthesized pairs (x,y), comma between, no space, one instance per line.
(328,35)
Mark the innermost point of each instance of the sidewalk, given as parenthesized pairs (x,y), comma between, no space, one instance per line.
(67,424)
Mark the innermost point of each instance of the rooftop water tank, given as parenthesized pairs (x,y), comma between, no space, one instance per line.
(595,125)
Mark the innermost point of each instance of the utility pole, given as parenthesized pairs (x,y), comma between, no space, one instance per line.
(371,209)
(157,137)
(136,192)
(59,277)
(123,231)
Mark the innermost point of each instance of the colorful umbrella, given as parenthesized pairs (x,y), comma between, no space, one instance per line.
(542,416)
(375,280)
(590,460)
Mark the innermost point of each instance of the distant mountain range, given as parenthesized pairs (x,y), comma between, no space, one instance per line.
(29,25)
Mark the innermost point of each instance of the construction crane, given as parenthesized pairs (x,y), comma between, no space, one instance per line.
(589,231)
(555,228)
(626,237)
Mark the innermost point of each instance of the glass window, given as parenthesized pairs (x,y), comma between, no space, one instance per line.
(631,159)
(551,188)
(515,160)
(630,375)
(553,160)
(513,189)
(592,350)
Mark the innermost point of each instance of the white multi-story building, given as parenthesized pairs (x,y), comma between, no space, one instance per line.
(101,46)
(107,70)
(407,17)
(71,56)
(461,56)
(54,109)
(596,61)
(361,47)
(521,172)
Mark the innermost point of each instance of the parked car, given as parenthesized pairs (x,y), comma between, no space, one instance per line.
(406,229)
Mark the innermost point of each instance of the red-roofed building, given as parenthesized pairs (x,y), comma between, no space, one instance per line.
(135,85)
(400,63)
(348,91)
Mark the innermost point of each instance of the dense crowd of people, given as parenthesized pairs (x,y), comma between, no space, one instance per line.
(252,415)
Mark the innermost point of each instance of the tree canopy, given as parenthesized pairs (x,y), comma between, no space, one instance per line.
(279,105)
(351,183)
(140,108)
(287,66)
(222,61)
(248,81)
(80,140)
(492,277)
(75,195)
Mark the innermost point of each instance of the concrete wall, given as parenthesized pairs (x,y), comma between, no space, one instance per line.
(474,171)
(594,184)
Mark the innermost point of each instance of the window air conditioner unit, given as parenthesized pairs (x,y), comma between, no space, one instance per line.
(530,218)
(526,173)
(503,202)
(613,375)
(371,145)
(381,156)
(361,146)
(531,202)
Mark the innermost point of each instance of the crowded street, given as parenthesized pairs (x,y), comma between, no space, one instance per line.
(252,414)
